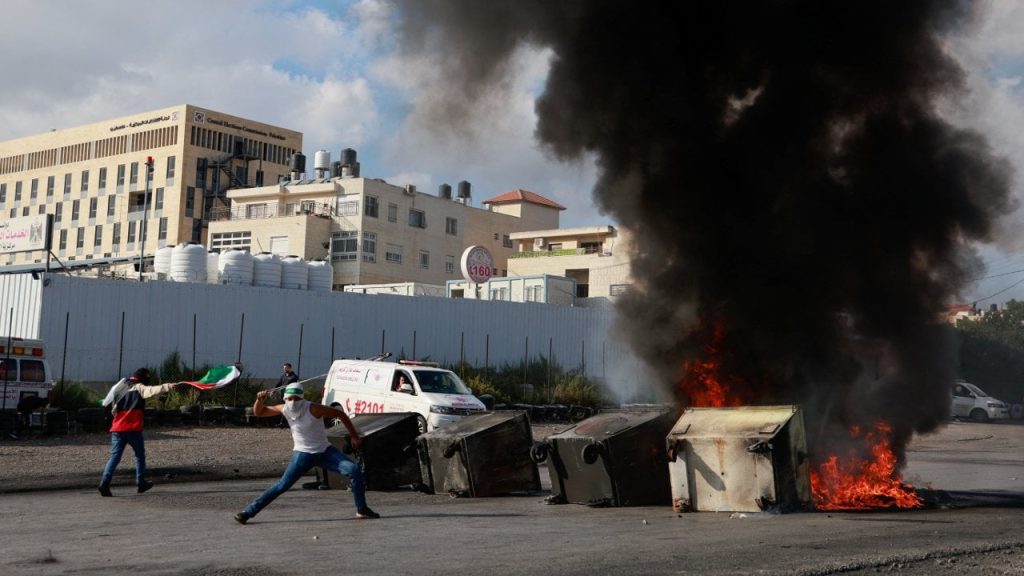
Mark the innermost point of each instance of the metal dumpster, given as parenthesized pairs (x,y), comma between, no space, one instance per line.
(484,454)
(611,459)
(744,459)
(388,451)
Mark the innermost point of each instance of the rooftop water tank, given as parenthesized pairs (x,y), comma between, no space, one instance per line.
(294,273)
(445,191)
(297,163)
(266,270)
(348,156)
(162,263)
(212,273)
(321,276)
(322,160)
(235,267)
(464,189)
(188,263)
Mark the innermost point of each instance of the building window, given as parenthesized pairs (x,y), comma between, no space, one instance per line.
(17,191)
(170,168)
(392,212)
(370,209)
(111,205)
(134,179)
(393,253)
(228,240)
(24,211)
(591,247)
(369,247)
(42,208)
(80,239)
(14,212)
(131,232)
(103,179)
(617,289)
(117,235)
(85,181)
(344,245)
(120,177)
(67,185)
(534,293)
(554,246)
(74,210)
(97,238)
(63,240)
(201,173)
(424,259)
(190,201)
(92,208)
(449,264)
(451,226)
(499,293)
(159,199)
(3,193)
(49,187)
(348,207)
(33,191)
(506,241)
(417,219)
(57,210)
(163,229)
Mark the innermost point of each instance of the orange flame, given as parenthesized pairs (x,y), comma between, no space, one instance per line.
(703,383)
(863,479)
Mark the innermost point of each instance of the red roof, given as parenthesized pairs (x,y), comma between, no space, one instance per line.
(519,195)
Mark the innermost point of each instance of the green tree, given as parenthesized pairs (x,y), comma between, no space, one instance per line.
(992,351)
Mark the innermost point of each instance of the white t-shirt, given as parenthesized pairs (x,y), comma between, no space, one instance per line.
(308,431)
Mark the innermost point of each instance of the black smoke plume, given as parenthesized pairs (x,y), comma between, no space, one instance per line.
(794,195)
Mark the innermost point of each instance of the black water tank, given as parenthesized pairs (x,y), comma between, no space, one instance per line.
(464,189)
(348,156)
(297,162)
(445,191)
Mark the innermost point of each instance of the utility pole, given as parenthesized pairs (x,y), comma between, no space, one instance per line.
(145,208)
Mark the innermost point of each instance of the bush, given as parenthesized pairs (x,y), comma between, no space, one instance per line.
(72,396)
(538,382)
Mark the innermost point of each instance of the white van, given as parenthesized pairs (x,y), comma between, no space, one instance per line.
(373,387)
(24,371)
(972,402)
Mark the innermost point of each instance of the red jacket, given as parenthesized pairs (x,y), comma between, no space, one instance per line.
(129,404)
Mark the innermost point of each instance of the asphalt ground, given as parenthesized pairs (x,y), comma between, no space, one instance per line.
(973,526)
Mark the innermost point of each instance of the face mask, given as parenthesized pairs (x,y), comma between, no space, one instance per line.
(293,407)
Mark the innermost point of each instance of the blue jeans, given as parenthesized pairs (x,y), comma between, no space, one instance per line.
(330,459)
(117,444)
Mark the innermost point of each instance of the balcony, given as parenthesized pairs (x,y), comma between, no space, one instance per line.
(565,252)
(273,210)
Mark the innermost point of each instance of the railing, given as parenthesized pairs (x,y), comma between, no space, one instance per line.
(565,252)
(274,210)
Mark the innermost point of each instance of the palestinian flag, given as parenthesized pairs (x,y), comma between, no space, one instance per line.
(217,377)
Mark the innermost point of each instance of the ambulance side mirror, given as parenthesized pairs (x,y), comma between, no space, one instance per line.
(406,388)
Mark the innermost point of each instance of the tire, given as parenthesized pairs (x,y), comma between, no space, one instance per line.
(421,424)
(590,453)
(539,452)
(979,415)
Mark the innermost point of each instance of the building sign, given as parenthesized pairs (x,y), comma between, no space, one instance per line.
(477,264)
(25,234)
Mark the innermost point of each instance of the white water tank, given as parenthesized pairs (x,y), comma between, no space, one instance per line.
(188,263)
(294,273)
(321,276)
(266,270)
(162,263)
(235,267)
(212,272)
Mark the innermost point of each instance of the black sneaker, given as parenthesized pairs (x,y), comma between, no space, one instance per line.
(242,517)
(104,490)
(365,513)
(143,487)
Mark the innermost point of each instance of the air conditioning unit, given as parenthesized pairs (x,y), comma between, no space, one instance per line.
(410,189)
(538,242)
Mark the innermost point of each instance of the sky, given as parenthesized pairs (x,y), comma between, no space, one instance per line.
(331,70)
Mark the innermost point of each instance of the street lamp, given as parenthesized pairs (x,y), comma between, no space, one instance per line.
(145,207)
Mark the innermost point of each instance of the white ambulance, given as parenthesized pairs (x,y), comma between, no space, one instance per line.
(374,386)
(24,370)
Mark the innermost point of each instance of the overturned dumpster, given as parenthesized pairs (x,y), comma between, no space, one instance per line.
(611,459)
(388,451)
(744,459)
(484,454)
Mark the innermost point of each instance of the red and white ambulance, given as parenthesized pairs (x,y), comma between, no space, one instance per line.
(24,370)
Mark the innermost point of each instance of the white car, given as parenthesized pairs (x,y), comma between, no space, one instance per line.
(972,402)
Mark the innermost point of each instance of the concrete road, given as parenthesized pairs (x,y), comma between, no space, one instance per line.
(187,529)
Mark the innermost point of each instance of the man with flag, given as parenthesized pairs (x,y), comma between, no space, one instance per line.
(311,448)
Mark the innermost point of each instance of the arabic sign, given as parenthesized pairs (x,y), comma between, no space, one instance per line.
(25,234)
(476,264)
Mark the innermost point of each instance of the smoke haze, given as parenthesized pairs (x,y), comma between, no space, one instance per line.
(795,197)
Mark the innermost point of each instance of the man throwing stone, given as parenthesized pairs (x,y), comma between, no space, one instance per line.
(312,448)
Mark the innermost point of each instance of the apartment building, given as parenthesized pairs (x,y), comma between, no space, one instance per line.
(374,232)
(596,257)
(131,185)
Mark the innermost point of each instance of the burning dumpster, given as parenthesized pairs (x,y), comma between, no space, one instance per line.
(744,459)
(388,451)
(484,454)
(611,459)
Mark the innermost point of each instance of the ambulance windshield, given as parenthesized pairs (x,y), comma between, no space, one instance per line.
(438,382)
